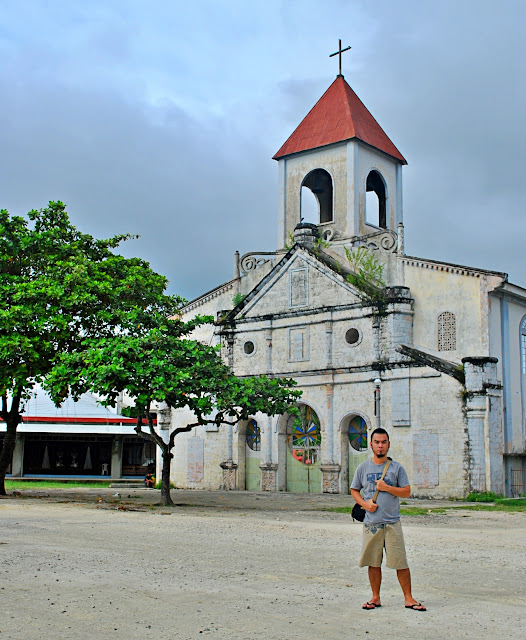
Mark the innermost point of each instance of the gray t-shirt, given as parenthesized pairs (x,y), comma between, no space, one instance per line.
(388,505)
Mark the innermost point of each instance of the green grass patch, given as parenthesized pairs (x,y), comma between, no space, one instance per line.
(510,502)
(405,511)
(421,511)
(499,502)
(510,505)
(338,509)
(15,485)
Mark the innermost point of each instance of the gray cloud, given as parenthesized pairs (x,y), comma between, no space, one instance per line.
(170,136)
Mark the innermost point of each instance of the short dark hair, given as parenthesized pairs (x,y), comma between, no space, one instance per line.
(381,432)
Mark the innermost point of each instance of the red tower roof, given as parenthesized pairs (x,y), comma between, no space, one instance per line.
(337,116)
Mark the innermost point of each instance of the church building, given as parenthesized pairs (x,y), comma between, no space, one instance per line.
(433,352)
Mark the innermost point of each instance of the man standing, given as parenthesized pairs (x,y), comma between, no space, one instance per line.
(381,527)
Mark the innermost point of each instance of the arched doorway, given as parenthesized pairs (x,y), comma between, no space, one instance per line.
(252,456)
(249,455)
(303,451)
(354,446)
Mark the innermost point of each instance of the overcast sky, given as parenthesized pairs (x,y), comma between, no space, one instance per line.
(161,117)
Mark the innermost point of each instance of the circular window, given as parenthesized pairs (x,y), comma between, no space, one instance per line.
(304,435)
(249,347)
(358,433)
(352,336)
(253,435)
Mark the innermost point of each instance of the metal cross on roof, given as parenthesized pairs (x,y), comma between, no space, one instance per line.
(339,54)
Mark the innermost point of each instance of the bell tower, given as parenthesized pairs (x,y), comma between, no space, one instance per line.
(342,155)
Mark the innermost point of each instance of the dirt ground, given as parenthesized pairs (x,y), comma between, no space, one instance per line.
(87,564)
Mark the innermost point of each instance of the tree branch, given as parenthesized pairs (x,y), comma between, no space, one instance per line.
(151,437)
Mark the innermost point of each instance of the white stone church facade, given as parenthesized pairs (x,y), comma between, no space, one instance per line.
(441,363)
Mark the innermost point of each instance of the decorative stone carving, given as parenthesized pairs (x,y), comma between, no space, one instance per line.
(253,260)
(268,476)
(330,474)
(229,475)
(384,239)
(328,234)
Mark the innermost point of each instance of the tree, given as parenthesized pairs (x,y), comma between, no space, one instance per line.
(166,366)
(58,288)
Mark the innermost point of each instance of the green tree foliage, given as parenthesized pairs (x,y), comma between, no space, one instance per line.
(58,288)
(164,365)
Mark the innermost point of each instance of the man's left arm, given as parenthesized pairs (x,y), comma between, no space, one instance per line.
(399,492)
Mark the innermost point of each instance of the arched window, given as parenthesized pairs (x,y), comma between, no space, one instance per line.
(375,198)
(358,433)
(304,435)
(447,332)
(319,182)
(253,435)
(523,345)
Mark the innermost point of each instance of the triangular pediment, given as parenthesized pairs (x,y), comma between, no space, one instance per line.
(301,281)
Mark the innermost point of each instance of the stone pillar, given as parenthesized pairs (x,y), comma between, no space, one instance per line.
(268,338)
(229,475)
(328,449)
(376,337)
(268,476)
(476,414)
(330,481)
(116,457)
(237,275)
(268,440)
(495,479)
(305,234)
(484,414)
(17,461)
(230,350)
(164,417)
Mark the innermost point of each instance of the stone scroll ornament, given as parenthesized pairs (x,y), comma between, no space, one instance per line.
(251,261)
(384,239)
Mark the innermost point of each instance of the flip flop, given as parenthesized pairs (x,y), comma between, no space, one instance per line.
(369,606)
(416,607)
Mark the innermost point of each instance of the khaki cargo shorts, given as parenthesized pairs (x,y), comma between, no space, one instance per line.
(375,538)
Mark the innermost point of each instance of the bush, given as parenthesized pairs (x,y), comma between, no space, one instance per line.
(484,496)
(158,485)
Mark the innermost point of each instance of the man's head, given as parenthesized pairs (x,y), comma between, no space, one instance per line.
(380,442)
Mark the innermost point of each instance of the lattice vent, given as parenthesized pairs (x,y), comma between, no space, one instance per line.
(447,332)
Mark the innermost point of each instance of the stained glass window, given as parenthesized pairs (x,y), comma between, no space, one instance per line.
(358,433)
(305,435)
(253,435)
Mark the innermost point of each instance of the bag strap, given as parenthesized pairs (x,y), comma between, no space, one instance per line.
(383,474)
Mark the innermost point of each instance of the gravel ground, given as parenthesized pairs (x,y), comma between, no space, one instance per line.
(87,564)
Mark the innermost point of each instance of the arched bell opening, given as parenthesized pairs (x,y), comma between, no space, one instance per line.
(375,200)
(316,197)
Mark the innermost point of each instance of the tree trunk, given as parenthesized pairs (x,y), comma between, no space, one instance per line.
(8,447)
(166,500)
